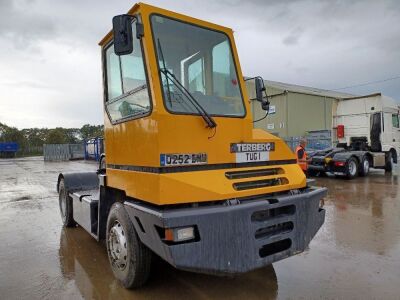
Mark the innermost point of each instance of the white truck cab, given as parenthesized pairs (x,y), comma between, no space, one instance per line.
(373,117)
(368,136)
(369,122)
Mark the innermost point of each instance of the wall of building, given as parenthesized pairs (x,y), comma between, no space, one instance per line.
(308,113)
(294,114)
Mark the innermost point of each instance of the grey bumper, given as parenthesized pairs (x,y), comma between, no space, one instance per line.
(235,238)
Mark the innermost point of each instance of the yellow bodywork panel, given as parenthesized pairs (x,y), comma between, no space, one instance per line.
(199,186)
(133,147)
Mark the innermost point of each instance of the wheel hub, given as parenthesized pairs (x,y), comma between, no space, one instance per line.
(117,246)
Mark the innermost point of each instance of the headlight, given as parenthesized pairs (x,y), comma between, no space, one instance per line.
(180,234)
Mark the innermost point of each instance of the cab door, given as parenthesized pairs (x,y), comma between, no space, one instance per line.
(396,130)
(376,131)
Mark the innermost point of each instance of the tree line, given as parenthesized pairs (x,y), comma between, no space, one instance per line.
(31,140)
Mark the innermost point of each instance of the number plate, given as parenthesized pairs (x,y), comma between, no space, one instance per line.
(252,152)
(252,156)
(183,159)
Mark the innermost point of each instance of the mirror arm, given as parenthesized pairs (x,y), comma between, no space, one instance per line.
(139,26)
(139,30)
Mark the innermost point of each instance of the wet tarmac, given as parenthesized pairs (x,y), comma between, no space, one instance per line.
(355,255)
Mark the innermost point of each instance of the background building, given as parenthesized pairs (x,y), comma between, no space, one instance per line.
(296,111)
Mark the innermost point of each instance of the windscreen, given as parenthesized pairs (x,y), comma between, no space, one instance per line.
(201,60)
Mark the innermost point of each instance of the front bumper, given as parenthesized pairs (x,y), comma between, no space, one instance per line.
(234,238)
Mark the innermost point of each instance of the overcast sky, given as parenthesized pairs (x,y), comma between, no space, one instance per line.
(50,72)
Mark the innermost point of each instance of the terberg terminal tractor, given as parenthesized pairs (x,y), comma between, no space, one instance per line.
(185,176)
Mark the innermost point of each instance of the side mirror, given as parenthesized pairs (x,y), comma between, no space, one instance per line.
(260,88)
(122,30)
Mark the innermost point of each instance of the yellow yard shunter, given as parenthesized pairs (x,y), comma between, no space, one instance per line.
(186,177)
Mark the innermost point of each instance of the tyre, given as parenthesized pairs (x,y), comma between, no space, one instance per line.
(389,162)
(312,173)
(364,167)
(102,164)
(129,258)
(66,209)
(351,168)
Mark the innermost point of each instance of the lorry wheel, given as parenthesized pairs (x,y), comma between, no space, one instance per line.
(351,168)
(102,164)
(389,162)
(312,173)
(65,202)
(364,166)
(130,259)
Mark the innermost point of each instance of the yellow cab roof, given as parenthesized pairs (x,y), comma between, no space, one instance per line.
(147,9)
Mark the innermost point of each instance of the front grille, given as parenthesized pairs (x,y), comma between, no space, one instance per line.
(274,248)
(239,186)
(268,214)
(253,173)
(274,233)
(274,230)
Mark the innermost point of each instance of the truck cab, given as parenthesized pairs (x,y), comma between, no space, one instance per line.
(368,136)
(185,175)
(372,118)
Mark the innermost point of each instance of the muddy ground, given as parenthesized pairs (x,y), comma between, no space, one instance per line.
(356,254)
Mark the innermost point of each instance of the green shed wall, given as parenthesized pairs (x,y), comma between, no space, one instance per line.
(296,113)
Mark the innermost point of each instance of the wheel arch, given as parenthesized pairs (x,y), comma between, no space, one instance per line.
(345,156)
(108,196)
(78,181)
(394,154)
(369,156)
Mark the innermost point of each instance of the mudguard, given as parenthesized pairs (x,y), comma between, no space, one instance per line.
(79,181)
(344,156)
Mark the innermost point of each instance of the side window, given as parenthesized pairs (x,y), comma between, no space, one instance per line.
(196,76)
(127,93)
(395,121)
(114,86)
(224,74)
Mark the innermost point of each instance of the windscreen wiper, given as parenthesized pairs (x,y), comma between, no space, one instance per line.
(169,75)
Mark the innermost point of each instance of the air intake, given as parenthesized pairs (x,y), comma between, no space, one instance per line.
(239,186)
(253,173)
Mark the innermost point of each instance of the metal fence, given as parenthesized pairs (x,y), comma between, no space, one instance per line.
(319,139)
(316,140)
(57,152)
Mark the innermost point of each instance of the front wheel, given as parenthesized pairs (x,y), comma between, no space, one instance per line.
(130,259)
(389,162)
(312,173)
(351,168)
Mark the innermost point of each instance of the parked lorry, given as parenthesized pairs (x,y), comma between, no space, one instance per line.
(185,176)
(368,135)
(8,149)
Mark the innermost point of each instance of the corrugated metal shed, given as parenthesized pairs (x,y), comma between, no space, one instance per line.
(306,90)
(295,110)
